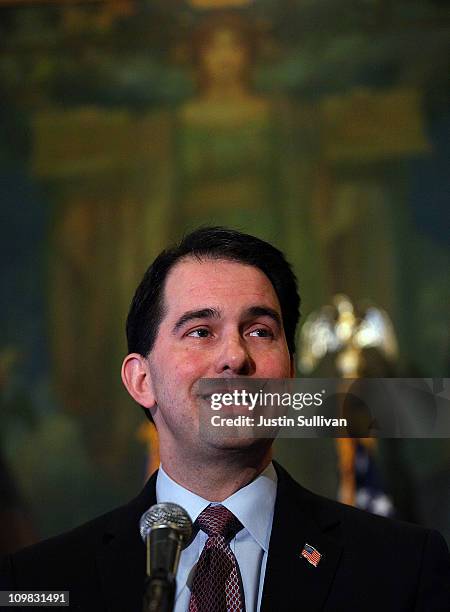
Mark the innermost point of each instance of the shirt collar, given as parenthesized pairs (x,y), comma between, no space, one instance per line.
(253,505)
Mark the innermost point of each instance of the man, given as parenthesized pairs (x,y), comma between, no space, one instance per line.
(223,305)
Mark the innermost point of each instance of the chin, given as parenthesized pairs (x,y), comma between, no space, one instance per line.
(239,443)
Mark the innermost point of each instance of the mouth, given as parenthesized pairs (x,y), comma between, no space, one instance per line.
(208,396)
(217,386)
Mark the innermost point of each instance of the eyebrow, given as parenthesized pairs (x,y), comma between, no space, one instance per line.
(202,313)
(264,311)
(213,313)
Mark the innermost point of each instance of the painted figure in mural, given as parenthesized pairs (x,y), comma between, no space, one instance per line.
(225,135)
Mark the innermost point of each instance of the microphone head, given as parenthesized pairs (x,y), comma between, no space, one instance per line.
(168,515)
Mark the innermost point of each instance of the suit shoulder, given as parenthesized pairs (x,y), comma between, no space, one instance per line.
(355,522)
(86,534)
(58,555)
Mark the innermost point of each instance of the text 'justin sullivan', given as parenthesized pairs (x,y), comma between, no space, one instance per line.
(317,420)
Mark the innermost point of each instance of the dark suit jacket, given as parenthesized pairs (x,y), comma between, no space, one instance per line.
(368,563)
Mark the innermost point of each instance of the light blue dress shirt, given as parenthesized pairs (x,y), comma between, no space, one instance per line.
(253,505)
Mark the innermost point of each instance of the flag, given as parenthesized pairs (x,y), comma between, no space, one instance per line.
(311,554)
(370,494)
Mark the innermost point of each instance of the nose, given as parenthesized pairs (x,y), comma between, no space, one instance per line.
(234,357)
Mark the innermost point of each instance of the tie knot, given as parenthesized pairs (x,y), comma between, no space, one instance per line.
(219,521)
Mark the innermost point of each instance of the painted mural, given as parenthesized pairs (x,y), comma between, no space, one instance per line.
(320,126)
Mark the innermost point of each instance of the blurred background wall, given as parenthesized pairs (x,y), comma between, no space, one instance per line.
(320,125)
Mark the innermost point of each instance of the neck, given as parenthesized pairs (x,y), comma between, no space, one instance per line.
(225,90)
(217,479)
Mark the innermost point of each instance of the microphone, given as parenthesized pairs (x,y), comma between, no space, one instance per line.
(166,529)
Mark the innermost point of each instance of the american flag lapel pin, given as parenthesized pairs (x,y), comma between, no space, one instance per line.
(312,555)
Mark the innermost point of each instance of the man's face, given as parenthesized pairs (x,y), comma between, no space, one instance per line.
(221,319)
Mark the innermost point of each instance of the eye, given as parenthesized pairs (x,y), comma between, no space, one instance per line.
(261,332)
(200,332)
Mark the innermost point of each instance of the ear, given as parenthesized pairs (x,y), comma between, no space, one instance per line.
(137,380)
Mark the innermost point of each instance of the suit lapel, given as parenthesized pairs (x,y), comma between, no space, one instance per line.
(291,582)
(121,554)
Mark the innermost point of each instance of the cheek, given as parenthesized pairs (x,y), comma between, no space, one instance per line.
(275,365)
(189,364)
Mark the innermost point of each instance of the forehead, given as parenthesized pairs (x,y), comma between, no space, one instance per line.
(194,283)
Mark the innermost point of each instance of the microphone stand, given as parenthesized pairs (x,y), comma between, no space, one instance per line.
(159,592)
